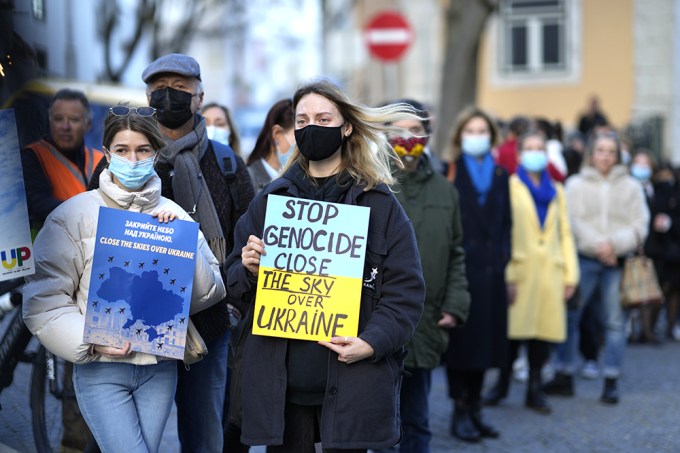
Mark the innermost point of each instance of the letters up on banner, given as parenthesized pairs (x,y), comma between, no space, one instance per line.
(16,249)
(309,283)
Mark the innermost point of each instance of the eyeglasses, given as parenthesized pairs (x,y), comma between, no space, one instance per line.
(123,110)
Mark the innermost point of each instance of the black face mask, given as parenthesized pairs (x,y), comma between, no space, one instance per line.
(318,142)
(173,107)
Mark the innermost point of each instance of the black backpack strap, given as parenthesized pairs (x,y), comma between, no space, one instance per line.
(226,159)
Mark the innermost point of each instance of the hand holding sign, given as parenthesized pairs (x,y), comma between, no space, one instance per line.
(309,286)
(113,352)
(164,216)
(349,349)
(250,254)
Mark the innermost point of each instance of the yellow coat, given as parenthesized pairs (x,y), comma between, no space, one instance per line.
(543,262)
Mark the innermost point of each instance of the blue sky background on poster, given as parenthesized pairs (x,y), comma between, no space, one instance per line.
(340,264)
(14,222)
(13,213)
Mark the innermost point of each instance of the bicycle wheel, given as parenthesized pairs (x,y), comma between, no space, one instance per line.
(46,412)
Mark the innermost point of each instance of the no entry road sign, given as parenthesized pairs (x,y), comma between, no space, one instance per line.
(388,35)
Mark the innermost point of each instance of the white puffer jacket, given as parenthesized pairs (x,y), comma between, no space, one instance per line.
(55,297)
(609,209)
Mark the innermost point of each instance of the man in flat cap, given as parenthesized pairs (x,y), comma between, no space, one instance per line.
(212,184)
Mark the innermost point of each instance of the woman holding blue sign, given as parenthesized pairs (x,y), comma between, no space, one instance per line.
(125,396)
(290,393)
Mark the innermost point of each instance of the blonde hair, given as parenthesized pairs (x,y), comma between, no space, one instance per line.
(366,154)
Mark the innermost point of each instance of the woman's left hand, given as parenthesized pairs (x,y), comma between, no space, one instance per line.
(569,292)
(447,321)
(164,216)
(349,349)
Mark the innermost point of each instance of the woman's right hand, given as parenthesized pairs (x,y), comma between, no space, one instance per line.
(605,254)
(662,222)
(251,253)
(113,353)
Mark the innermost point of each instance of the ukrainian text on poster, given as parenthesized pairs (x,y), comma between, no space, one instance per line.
(140,288)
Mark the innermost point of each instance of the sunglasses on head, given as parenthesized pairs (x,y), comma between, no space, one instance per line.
(122,110)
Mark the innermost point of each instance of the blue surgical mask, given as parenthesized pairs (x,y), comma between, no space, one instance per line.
(641,172)
(533,161)
(283,158)
(476,145)
(219,134)
(132,175)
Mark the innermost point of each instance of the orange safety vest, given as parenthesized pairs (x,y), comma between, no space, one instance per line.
(65,177)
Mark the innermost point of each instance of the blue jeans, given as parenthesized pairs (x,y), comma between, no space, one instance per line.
(126,406)
(200,400)
(604,283)
(414,410)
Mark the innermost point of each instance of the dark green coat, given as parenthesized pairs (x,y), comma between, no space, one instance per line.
(431,202)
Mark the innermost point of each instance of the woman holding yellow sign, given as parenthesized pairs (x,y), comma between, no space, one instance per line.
(291,393)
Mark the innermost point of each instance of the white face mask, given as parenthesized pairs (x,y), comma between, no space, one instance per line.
(476,145)
(219,134)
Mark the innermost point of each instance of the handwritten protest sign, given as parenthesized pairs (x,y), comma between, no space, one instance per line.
(140,288)
(309,283)
(16,250)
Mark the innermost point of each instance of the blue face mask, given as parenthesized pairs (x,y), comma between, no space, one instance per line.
(283,158)
(219,134)
(132,175)
(533,161)
(640,172)
(476,145)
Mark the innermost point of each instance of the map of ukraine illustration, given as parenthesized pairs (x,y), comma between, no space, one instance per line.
(137,291)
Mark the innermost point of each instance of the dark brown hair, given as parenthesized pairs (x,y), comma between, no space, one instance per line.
(147,125)
(280,114)
(463,118)
(234,137)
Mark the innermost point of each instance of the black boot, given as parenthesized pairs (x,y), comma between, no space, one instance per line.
(484,428)
(562,385)
(610,394)
(461,424)
(499,390)
(535,398)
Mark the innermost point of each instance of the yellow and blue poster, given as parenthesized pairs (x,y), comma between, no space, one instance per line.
(140,287)
(310,280)
(16,249)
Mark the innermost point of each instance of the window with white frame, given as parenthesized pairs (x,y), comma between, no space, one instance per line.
(534,37)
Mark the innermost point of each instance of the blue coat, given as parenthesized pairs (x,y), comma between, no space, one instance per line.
(482,342)
(361,403)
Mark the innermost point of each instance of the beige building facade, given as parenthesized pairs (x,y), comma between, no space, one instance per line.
(539,58)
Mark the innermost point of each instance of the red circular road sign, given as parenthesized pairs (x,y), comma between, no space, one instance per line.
(388,35)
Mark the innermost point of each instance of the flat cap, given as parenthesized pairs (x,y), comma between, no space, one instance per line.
(174,63)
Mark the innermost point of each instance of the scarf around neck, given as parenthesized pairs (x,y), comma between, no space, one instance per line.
(481,174)
(332,190)
(189,187)
(146,198)
(542,194)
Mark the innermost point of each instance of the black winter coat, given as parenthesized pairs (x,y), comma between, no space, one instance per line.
(664,248)
(361,403)
(482,342)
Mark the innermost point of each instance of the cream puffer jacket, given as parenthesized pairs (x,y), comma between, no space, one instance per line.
(609,209)
(55,297)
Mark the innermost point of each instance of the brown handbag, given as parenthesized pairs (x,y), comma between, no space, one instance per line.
(639,284)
